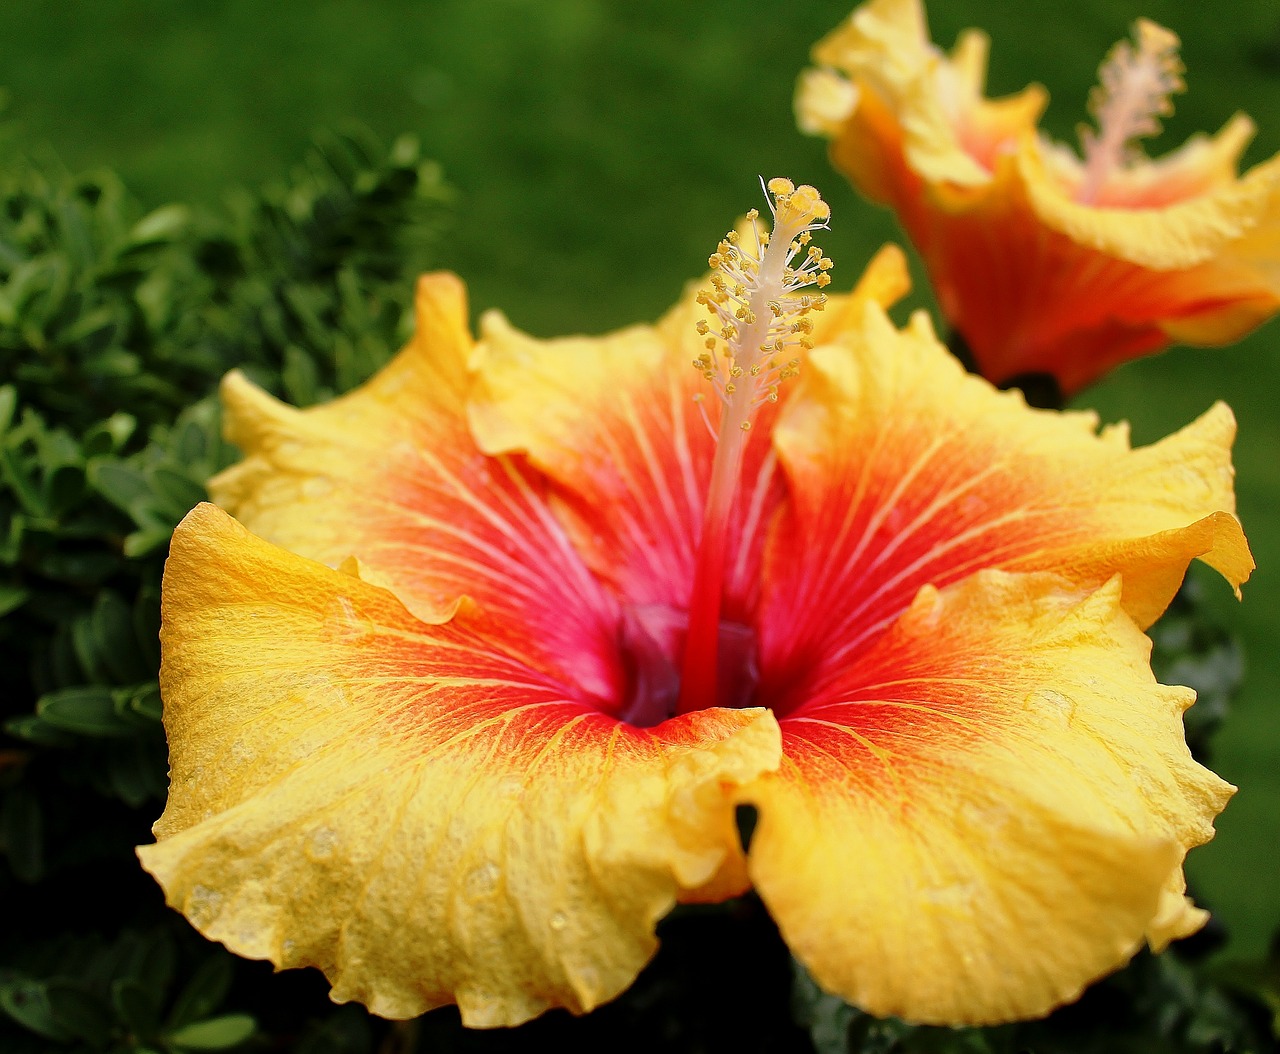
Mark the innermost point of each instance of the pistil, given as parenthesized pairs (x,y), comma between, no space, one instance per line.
(1134,89)
(759,318)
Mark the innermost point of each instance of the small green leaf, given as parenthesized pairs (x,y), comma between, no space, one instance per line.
(8,403)
(114,641)
(136,1007)
(64,487)
(93,324)
(217,1033)
(164,224)
(179,492)
(109,436)
(125,487)
(204,992)
(80,1012)
(33,730)
(145,701)
(153,537)
(12,598)
(88,710)
(27,1002)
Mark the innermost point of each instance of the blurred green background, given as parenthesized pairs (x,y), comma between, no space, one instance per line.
(600,149)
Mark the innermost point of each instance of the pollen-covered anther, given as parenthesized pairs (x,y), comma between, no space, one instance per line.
(798,207)
(755,299)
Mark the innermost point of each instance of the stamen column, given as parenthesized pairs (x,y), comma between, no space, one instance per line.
(755,298)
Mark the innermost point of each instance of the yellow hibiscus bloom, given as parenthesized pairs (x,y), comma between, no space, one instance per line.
(466,701)
(1045,263)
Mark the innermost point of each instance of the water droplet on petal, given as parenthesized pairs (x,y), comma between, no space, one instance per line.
(558,921)
(317,488)
(346,624)
(482,881)
(1055,703)
(203,905)
(322,842)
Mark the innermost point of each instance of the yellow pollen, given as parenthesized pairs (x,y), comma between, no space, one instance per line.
(757,299)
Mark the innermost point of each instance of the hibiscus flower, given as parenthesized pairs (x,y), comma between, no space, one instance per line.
(1046,263)
(466,700)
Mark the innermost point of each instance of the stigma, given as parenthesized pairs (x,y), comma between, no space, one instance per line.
(1135,88)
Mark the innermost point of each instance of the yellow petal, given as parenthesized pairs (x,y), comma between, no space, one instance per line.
(886,280)
(988,811)
(423,812)
(905,471)
(932,111)
(1175,237)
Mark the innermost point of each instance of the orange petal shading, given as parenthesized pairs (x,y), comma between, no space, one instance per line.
(905,471)
(1037,281)
(988,811)
(389,474)
(422,811)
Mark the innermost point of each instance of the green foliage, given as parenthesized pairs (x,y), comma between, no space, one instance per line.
(1157,1005)
(115,327)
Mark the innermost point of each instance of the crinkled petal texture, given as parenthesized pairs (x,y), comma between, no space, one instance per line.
(1179,249)
(418,810)
(986,812)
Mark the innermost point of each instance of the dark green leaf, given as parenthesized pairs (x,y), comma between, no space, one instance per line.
(178,491)
(125,487)
(204,993)
(88,711)
(114,640)
(28,1003)
(22,833)
(136,1006)
(12,598)
(34,730)
(80,1012)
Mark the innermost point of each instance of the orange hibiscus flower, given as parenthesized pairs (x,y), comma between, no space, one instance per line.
(465,702)
(1042,262)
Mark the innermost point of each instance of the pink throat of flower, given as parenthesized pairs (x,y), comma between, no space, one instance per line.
(651,641)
